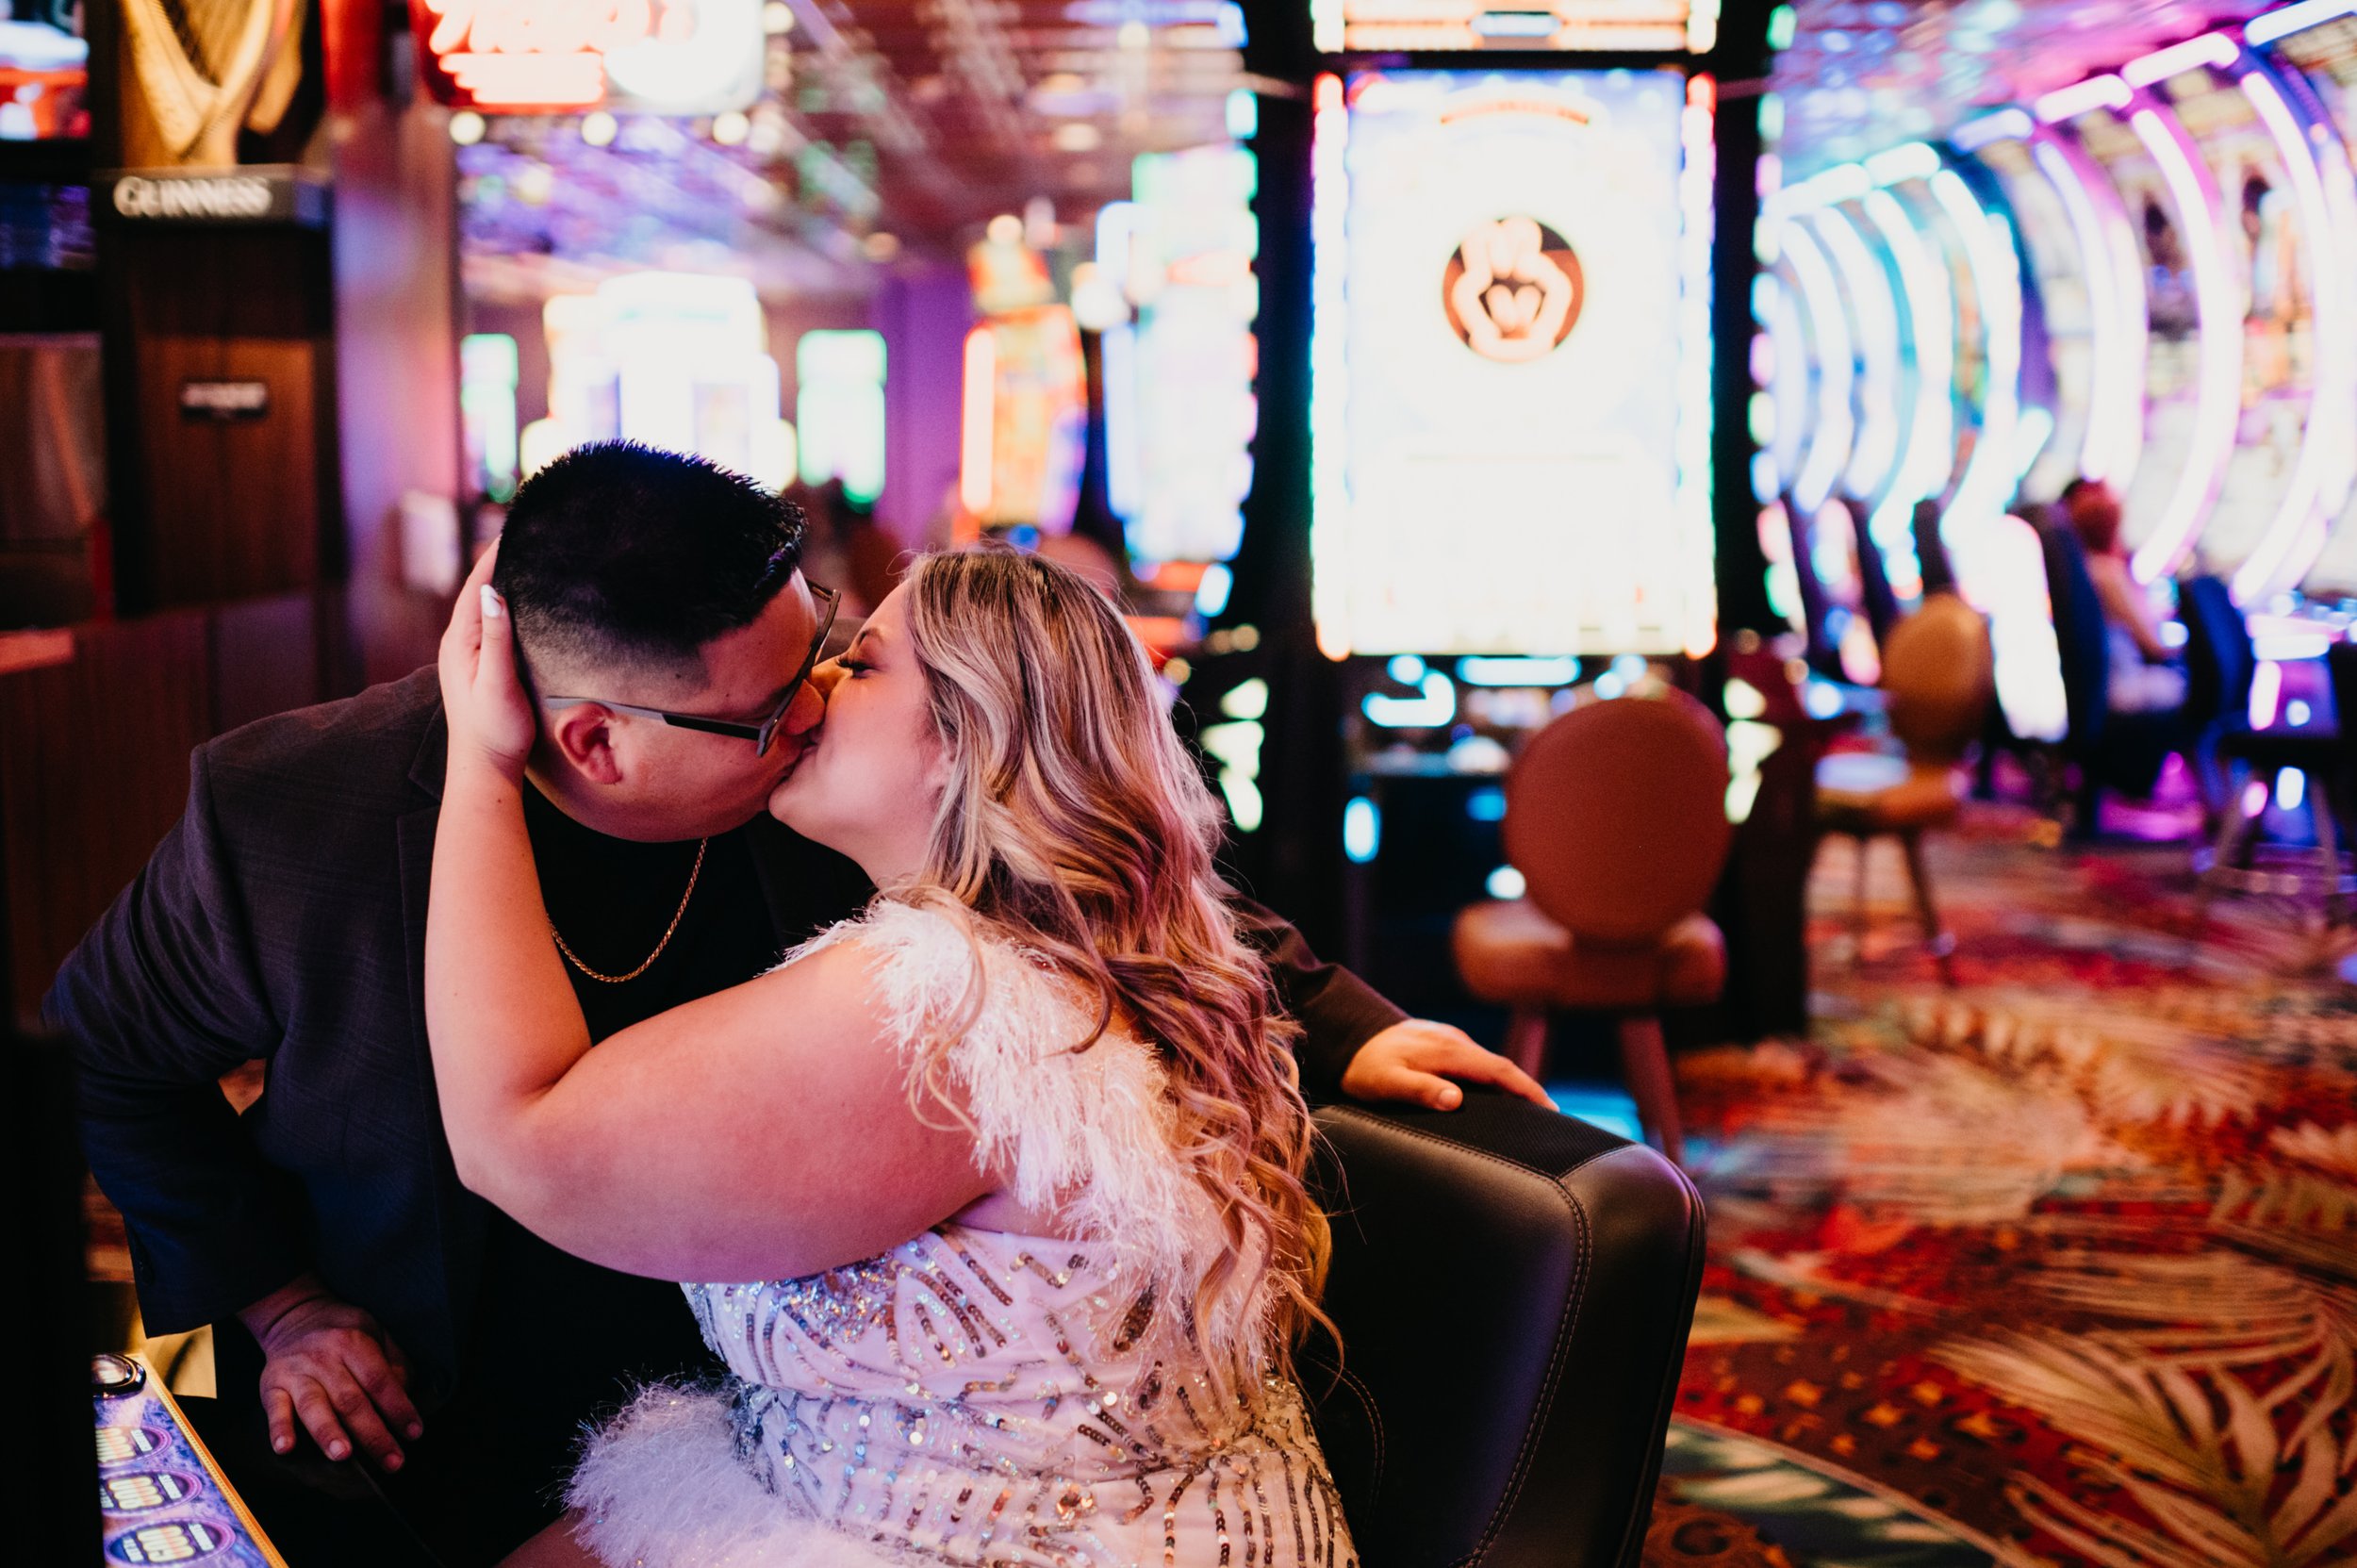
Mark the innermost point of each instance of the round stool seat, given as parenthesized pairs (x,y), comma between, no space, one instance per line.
(1870,792)
(1512,954)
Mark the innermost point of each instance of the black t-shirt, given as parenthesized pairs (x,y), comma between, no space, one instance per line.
(558,1341)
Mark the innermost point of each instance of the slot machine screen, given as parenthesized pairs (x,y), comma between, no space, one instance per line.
(1511,363)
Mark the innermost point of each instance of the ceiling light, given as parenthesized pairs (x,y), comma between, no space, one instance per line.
(1133,36)
(777,17)
(597,128)
(1056,84)
(880,246)
(466,127)
(1077,136)
(730,128)
(1005,230)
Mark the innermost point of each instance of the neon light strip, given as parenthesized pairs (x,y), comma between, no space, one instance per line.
(2211,49)
(2297,534)
(2113,270)
(1830,432)
(2004,124)
(2105,91)
(1996,461)
(2219,395)
(1909,160)
(1125,484)
(1931,451)
(2294,19)
(1329,457)
(1874,449)
(978,442)
(1696,175)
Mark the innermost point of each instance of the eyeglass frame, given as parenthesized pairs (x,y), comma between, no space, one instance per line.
(761,734)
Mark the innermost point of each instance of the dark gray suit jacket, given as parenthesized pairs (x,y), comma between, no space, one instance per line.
(283,918)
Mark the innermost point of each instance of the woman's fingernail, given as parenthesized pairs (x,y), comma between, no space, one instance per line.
(336,1450)
(284,1445)
(392,1462)
(492,608)
(417,1429)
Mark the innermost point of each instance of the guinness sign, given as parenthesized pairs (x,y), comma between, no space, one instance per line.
(257,194)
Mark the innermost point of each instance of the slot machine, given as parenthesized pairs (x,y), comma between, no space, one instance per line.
(1512,475)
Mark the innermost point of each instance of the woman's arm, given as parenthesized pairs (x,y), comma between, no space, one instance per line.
(2125,603)
(761,1132)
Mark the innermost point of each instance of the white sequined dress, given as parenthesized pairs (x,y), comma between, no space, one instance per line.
(975,1397)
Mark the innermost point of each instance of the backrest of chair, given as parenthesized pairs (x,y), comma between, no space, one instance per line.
(1938,675)
(1816,606)
(1513,1289)
(1931,548)
(2080,637)
(1616,815)
(2220,659)
(2340,667)
(1875,596)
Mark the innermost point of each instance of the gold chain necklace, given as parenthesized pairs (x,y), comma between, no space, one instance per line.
(667,931)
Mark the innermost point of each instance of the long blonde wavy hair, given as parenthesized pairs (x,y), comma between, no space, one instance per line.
(1074,821)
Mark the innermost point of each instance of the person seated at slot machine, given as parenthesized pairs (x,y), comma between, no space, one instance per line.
(367,1303)
(2145,676)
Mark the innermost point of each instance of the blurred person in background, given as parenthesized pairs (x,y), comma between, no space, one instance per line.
(2145,676)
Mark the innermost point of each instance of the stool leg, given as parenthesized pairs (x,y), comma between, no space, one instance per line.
(2328,846)
(2238,819)
(1938,941)
(1858,906)
(1645,1064)
(1526,1039)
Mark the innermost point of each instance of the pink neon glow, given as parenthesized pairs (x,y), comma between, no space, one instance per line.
(2213,49)
(2095,93)
(2218,396)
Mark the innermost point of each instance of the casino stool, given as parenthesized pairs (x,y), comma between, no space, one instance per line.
(1616,817)
(2328,756)
(1938,679)
(1513,1289)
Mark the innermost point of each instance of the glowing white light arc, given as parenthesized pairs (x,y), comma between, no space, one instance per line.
(1996,461)
(2321,477)
(1874,316)
(1930,454)
(1831,431)
(2113,268)
(2219,384)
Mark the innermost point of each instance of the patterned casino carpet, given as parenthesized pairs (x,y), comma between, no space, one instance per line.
(2057,1267)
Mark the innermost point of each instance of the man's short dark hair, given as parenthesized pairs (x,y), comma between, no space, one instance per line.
(618,553)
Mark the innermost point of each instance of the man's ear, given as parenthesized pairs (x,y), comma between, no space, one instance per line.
(582,735)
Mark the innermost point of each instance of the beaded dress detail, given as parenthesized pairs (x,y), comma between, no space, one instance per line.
(976,1397)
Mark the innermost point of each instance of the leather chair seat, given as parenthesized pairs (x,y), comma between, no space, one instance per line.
(1869,792)
(1510,953)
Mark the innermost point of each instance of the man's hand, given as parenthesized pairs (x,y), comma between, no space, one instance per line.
(331,1364)
(1414,1061)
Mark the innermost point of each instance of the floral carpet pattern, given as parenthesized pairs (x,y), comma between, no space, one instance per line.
(2055,1267)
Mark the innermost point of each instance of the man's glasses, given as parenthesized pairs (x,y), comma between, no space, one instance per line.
(761,734)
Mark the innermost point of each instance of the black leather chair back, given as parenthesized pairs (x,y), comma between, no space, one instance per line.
(2080,637)
(1816,607)
(2219,660)
(1513,1289)
(1931,550)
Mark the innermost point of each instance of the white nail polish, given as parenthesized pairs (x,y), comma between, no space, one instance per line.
(493,609)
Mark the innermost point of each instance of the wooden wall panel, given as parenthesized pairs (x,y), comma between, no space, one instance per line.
(93,770)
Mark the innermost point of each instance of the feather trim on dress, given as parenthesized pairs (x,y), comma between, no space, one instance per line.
(1087,1134)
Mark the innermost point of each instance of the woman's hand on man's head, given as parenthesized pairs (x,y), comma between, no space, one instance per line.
(483,701)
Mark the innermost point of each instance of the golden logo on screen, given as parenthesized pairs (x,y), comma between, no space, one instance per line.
(1512,289)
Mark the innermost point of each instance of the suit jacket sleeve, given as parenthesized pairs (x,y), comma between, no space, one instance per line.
(161,998)
(1337,1011)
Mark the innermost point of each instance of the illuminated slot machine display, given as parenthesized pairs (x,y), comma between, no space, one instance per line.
(1510,416)
(1024,426)
(162,1500)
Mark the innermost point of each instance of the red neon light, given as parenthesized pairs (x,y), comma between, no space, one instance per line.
(534,53)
